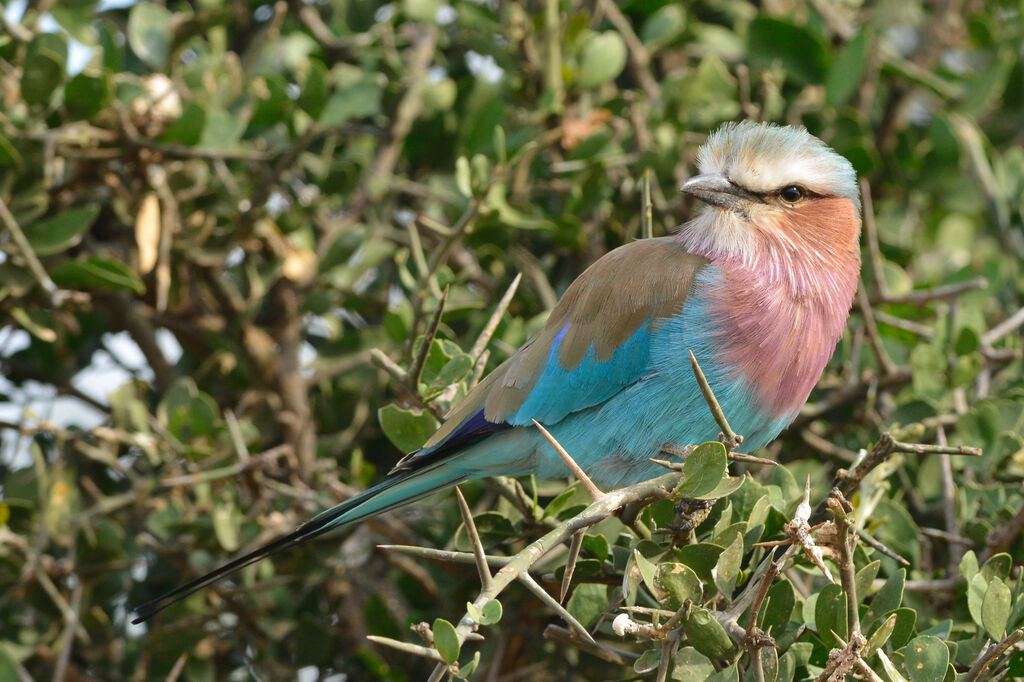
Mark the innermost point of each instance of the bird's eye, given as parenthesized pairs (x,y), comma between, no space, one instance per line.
(792,194)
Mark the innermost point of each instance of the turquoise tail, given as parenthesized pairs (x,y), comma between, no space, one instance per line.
(394,492)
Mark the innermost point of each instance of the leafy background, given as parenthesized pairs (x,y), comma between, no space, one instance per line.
(226,225)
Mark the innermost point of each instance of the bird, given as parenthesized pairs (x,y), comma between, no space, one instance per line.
(758,286)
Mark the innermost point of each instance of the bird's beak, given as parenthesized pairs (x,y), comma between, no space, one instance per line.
(717,189)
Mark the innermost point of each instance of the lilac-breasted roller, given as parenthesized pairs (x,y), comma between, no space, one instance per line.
(758,286)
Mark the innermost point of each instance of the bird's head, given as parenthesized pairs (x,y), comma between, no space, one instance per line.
(772,188)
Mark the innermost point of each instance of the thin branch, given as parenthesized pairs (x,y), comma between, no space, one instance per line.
(871,237)
(939,293)
(989,654)
(56,296)
(412,377)
(886,362)
(1003,328)
(602,651)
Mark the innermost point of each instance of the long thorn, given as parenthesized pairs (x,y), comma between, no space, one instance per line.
(570,564)
(594,491)
(474,540)
(444,555)
(406,647)
(730,436)
(485,336)
(543,595)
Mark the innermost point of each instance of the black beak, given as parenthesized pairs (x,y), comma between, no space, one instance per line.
(717,189)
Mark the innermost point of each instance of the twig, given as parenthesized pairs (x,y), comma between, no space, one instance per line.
(412,377)
(924,331)
(871,237)
(606,653)
(888,366)
(638,54)
(841,512)
(575,468)
(730,439)
(1000,539)
(646,212)
(989,654)
(57,297)
(993,335)
(923,296)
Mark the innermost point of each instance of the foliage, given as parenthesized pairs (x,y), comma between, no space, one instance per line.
(266,204)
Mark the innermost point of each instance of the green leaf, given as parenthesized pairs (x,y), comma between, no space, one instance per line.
(778,607)
(648,662)
(97,273)
(903,630)
(463,179)
(407,429)
(488,615)
(865,577)
(33,326)
(928,370)
(703,470)
(830,615)
(446,640)
(726,487)
(314,89)
(730,674)
(647,570)
(845,74)
(602,59)
(925,659)
(995,609)
(887,599)
(588,602)
(222,129)
(997,566)
(226,521)
(664,26)
(149,33)
(62,231)
(707,635)
(677,583)
(977,587)
(727,570)
(689,665)
(491,612)
(702,558)
(43,68)
(188,129)
(357,100)
(800,52)
(86,95)
(880,636)
(9,155)
(969,565)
